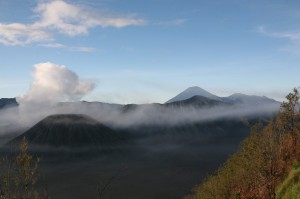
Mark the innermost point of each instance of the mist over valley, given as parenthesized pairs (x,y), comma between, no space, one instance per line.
(149,99)
(83,144)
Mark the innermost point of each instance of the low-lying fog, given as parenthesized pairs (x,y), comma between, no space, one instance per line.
(14,118)
(182,144)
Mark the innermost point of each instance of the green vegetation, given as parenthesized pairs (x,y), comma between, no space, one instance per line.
(19,176)
(290,187)
(262,162)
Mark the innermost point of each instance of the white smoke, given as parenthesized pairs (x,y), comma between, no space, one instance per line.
(54,83)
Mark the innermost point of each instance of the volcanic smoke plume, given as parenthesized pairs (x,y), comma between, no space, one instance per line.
(52,83)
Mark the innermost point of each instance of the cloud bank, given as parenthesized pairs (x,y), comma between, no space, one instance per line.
(54,83)
(64,18)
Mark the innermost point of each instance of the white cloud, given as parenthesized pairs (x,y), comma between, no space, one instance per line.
(53,45)
(53,83)
(293,37)
(290,35)
(74,20)
(71,48)
(65,18)
(21,34)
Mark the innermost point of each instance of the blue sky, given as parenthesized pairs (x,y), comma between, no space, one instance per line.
(148,51)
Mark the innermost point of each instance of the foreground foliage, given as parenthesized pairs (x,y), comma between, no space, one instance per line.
(262,162)
(290,187)
(19,176)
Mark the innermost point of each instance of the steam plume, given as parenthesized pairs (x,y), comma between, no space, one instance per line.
(54,83)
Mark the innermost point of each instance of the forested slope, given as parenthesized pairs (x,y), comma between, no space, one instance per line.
(290,187)
(261,167)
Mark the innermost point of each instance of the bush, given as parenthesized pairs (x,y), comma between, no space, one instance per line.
(19,175)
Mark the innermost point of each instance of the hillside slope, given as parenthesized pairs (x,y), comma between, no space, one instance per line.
(262,162)
(69,130)
(290,187)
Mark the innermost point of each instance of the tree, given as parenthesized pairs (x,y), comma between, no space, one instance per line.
(290,111)
(289,118)
(264,157)
(19,176)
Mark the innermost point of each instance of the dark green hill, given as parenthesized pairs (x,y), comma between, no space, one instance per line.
(70,130)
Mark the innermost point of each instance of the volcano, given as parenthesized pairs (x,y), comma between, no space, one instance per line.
(70,130)
(191,92)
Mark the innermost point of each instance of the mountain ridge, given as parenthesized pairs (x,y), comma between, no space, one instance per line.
(8,102)
(236,98)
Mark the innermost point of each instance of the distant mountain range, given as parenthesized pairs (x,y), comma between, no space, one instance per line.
(198,101)
(191,96)
(7,102)
(190,105)
(70,123)
(194,93)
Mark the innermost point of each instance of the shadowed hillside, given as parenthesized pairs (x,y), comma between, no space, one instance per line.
(70,131)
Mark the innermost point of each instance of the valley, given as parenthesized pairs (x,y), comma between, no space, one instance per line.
(152,151)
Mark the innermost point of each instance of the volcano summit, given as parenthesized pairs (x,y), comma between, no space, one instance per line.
(70,130)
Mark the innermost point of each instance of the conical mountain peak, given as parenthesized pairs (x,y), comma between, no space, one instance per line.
(69,130)
(191,92)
